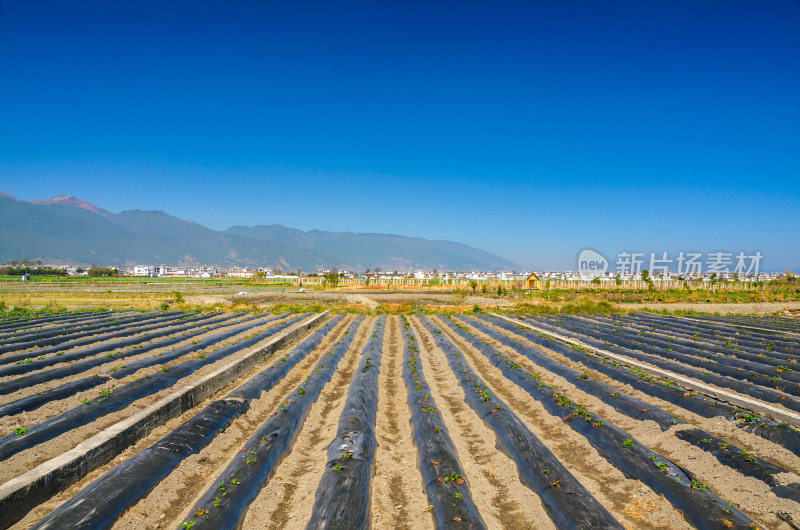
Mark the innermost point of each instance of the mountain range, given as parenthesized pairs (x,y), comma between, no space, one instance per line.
(66,229)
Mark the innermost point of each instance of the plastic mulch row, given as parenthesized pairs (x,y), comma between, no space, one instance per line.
(225,504)
(7,326)
(568,503)
(690,400)
(727,338)
(66,333)
(10,332)
(730,350)
(176,334)
(24,362)
(718,329)
(446,484)
(703,374)
(699,505)
(102,502)
(106,327)
(112,400)
(739,365)
(343,494)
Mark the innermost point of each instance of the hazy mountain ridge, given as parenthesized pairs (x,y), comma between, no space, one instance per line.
(71,230)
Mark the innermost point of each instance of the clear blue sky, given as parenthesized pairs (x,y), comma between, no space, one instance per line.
(530,129)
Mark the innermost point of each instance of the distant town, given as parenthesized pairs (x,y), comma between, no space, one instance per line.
(28,267)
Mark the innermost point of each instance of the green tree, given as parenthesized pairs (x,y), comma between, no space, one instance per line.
(618,280)
(473,284)
(331,279)
(645,275)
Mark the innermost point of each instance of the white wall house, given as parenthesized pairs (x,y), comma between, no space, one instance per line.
(144,270)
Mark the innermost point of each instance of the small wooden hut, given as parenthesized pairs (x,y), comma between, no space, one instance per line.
(533,282)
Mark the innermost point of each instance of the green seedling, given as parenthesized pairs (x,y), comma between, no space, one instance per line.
(338,467)
(19,431)
(627,443)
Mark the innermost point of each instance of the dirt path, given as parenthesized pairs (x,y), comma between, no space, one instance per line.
(756,308)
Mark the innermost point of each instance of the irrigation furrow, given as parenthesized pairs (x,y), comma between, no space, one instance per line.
(568,502)
(765,394)
(444,478)
(399,499)
(699,505)
(343,493)
(103,501)
(25,363)
(15,352)
(111,400)
(666,390)
(139,345)
(224,505)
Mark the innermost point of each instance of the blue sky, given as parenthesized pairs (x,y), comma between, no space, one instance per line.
(530,129)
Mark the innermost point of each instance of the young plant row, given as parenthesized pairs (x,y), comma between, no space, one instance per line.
(102,502)
(113,351)
(668,359)
(32,361)
(568,503)
(225,503)
(446,483)
(114,399)
(650,385)
(738,459)
(61,334)
(699,505)
(343,494)
(14,352)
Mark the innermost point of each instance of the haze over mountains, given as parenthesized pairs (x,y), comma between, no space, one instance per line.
(67,229)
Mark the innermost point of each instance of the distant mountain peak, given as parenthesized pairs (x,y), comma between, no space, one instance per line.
(4,195)
(69,200)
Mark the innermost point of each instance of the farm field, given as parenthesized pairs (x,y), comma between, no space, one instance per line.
(171,419)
